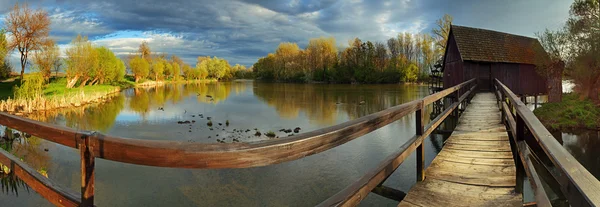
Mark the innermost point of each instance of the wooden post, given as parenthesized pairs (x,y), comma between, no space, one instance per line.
(87,172)
(420,152)
(503,112)
(520,169)
(535,100)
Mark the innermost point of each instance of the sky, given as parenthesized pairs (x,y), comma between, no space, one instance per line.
(241,31)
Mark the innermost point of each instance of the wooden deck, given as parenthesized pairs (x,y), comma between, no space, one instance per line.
(475,166)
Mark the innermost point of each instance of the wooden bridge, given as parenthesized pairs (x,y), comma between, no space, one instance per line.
(497,144)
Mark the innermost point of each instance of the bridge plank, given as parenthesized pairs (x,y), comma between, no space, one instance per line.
(475,166)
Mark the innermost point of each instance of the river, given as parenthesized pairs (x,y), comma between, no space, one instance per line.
(153,114)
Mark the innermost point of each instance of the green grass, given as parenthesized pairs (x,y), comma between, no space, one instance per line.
(58,88)
(571,113)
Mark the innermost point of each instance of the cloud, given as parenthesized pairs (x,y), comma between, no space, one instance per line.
(243,30)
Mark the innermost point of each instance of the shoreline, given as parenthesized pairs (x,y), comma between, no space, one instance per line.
(22,107)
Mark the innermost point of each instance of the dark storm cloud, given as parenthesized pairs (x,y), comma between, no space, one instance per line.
(243,30)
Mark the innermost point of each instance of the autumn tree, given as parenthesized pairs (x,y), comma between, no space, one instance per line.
(140,68)
(29,30)
(176,70)
(321,55)
(44,59)
(442,32)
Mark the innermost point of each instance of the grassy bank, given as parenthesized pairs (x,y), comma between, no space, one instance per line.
(571,113)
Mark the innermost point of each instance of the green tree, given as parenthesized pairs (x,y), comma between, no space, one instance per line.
(32,87)
(550,61)
(176,71)
(82,61)
(4,50)
(140,68)
(158,68)
(110,68)
(584,28)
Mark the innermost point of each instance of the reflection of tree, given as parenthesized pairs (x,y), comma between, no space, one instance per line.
(584,148)
(101,117)
(28,150)
(146,99)
(140,102)
(321,102)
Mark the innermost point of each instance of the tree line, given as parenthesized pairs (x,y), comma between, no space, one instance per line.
(87,64)
(148,66)
(404,58)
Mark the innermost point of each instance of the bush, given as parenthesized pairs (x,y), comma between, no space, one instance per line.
(570,113)
(5,70)
(32,87)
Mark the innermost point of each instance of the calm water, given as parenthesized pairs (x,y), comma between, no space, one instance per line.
(153,114)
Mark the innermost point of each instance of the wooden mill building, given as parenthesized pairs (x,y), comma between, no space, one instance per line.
(488,55)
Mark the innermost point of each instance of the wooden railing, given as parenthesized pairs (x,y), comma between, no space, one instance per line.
(176,154)
(539,156)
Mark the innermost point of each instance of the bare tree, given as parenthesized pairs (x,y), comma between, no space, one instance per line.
(29,30)
(57,66)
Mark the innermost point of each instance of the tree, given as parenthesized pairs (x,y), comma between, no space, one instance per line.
(442,32)
(29,30)
(82,61)
(140,68)
(3,46)
(110,68)
(44,59)
(4,66)
(168,69)
(145,51)
(158,67)
(584,28)
(550,61)
(176,71)
(57,65)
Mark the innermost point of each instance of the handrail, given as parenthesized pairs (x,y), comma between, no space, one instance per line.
(580,187)
(353,194)
(233,155)
(44,186)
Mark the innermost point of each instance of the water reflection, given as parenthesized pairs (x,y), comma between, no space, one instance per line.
(153,113)
(28,149)
(583,145)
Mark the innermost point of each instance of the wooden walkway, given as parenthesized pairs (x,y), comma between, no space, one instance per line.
(475,166)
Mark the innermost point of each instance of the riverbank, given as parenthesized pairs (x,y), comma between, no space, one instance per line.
(55,95)
(569,114)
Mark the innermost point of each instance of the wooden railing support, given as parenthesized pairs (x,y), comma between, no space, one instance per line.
(520,132)
(420,152)
(87,171)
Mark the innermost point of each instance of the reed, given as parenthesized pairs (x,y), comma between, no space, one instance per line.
(41,103)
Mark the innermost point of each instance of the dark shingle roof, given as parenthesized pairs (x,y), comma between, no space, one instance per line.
(491,46)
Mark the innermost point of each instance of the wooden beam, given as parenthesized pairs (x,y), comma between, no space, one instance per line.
(47,188)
